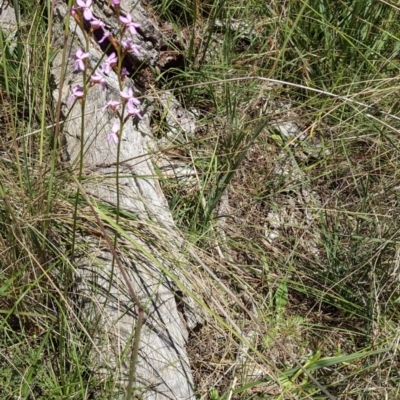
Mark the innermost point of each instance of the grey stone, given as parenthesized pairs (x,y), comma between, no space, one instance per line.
(163,368)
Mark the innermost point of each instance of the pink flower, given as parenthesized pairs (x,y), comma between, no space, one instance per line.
(128,45)
(133,111)
(79,57)
(113,136)
(98,78)
(85,7)
(124,73)
(110,62)
(111,104)
(72,11)
(77,93)
(96,23)
(127,21)
(106,34)
(115,3)
(112,59)
(127,95)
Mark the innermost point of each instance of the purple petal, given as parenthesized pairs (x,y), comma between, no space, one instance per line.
(133,111)
(79,65)
(112,59)
(97,78)
(126,44)
(115,128)
(96,23)
(105,36)
(112,137)
(105,68)
(135,49)
(127,19)
(80,55)
(132,30)
(134,101)
(113,105)
(87,14)
(77,92)
(127,93)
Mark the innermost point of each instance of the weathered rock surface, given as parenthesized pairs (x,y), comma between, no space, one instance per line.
(163,368)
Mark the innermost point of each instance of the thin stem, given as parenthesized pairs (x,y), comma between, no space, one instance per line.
(135,354)
(82,140)
(58,110)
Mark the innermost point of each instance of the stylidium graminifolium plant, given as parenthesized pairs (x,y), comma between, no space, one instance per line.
(129,105)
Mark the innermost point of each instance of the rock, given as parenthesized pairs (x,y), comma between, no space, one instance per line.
(8,23)
(163,368)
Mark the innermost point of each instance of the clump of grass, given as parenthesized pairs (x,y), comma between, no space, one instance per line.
(336,267)
(44,347)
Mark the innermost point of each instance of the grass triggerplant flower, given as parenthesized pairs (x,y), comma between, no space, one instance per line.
(111,104)
(128,45)
(111,61)
(113,136)
(132,111)
(97,77)
(95,23)
(84,6)
(106,34)
(124,73)
(77,93)
(79,57)
(129,24)
(127,96)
